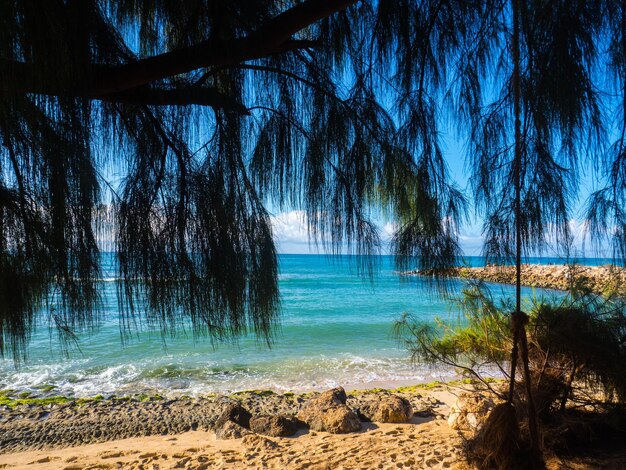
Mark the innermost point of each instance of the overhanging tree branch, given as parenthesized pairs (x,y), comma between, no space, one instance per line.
(273,37)
(177,97)
(144,95)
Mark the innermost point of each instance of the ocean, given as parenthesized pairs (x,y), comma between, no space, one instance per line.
(336,329)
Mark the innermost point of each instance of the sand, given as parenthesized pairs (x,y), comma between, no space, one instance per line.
(413,445)
(425,442)
(64,439)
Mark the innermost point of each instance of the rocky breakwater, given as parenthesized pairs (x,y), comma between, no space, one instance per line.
(606,279)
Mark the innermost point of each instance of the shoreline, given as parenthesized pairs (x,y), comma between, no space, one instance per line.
(180,433)
(46,396)
(49,391)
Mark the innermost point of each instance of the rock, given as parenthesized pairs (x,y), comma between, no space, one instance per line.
(236,413)
(328,412)
(233,422)
(469,412)
(272,425)
(231,430)
(387,408)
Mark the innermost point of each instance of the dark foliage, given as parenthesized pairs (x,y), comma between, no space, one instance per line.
(165,128)
(212,111)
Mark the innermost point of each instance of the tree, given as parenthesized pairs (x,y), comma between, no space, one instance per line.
(576,358)
(523,85)
(209,109)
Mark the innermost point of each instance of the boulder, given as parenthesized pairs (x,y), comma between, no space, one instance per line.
(231,430)
(387,408)
(328,412)
(470,412)
(236,413)
(233,422)
(272,425)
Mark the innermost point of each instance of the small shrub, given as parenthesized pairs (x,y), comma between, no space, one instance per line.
(577,356)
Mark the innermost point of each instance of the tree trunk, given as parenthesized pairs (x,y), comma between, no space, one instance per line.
(520,319)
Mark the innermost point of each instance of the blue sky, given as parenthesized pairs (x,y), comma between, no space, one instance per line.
(290,226)
(291,234)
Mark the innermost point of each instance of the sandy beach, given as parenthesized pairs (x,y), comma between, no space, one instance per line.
(413,445)
(180,433)
(149,431)
(151,434)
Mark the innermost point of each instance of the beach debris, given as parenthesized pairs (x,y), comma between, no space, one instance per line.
(273,425)
(386,408)
(470,412)
(329,412)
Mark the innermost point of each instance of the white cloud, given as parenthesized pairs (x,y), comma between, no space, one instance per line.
(389,229)
(290,232)
(290,227)
(471,243)
(291,236)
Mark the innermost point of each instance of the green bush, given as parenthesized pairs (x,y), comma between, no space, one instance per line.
(576,343)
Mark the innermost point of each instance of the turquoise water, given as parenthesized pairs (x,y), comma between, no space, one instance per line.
(335,330)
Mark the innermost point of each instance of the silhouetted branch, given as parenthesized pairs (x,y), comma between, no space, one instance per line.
(272,38)
(177,97)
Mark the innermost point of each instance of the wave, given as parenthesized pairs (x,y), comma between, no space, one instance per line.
(297,374)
